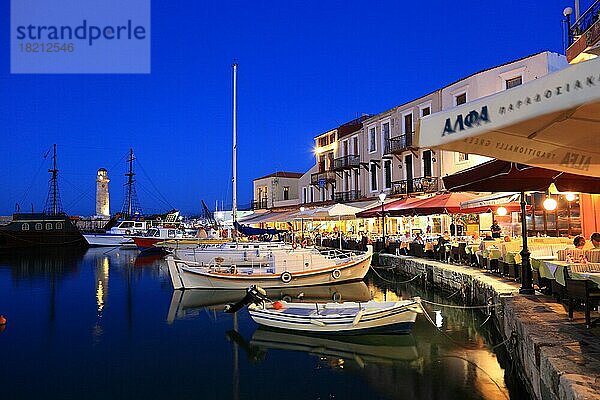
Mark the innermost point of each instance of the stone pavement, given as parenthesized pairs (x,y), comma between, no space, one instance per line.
(558,358)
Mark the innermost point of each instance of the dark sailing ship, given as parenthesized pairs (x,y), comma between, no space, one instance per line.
(52,228)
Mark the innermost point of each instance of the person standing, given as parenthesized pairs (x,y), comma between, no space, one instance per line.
(496,230)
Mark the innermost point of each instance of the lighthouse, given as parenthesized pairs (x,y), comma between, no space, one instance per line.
(102,198)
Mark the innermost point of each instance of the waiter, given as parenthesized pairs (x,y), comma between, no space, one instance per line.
(496,230)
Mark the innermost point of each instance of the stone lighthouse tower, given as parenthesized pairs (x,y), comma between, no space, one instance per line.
(102,199)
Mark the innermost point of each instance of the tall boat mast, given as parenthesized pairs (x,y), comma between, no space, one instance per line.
(234,153)
(53,205)
(131,205)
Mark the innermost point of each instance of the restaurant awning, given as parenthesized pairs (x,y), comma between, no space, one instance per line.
(447,203)
(389,208)
(551,122)
(491,203)
(269,217)
(504,176)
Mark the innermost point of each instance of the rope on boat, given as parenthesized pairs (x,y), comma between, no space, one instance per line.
(396,282)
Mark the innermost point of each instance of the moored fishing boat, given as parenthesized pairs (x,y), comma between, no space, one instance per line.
(279,269)
(338,318)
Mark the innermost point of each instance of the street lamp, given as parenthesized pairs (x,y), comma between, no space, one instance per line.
(382,196)
(302,222)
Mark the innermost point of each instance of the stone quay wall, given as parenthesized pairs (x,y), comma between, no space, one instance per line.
(556,358)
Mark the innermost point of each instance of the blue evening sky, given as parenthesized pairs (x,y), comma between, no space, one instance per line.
(305,67)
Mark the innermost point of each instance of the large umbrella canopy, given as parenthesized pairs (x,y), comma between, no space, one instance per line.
(491,203)
(335,211)
(447,203)
(552,122)
(504,176)
(388,208)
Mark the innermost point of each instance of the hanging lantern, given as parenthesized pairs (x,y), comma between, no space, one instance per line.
(501,211)
(550,204)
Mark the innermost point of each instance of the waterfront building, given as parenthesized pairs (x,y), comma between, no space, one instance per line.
(278,189)
(102,194)
(373,154)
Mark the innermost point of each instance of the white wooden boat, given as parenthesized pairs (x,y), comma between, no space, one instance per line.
(190,302)
(239,253)
(281,269)
(339,318)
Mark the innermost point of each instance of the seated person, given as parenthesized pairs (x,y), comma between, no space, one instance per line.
(418,239)
(579,242)
(595,238)
(488,237)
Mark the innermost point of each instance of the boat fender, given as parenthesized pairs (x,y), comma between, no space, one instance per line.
(277,305)
(337,297)
(287,298)
(2,320)
(357,318)
(128,232)
(336,273)
(233,269)
(286,277)
(317,322)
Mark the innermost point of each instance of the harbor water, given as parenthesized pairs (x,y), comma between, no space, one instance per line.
(106,324)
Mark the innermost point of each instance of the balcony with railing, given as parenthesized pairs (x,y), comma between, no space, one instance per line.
(322,178)
(260,204)
(399,144)
(350,195)
(426,184)
(346,162)
(585,32)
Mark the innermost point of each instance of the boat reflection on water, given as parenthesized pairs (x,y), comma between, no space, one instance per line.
(187,303)
(361,349)
(26,264)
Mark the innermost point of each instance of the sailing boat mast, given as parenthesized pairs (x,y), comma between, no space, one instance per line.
(131,204)
(234,153)
(53,206)
(129,175)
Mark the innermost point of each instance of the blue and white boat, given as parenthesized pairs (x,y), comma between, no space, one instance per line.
(119,235)
(347,318)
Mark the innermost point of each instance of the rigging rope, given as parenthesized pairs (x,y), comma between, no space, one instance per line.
(396,282)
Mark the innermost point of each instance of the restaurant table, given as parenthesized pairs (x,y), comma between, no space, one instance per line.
(537,263)
(576,271)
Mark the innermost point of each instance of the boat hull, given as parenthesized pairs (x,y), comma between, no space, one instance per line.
(396,319)
(106,240)
(184,277)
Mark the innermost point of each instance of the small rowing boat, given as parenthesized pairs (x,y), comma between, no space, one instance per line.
(338,318)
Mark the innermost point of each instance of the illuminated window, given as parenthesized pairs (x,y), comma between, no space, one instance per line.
(59,225)
(512,82)
(38,226)
(25,227)
(49,226)
(286,192)
(460,99)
